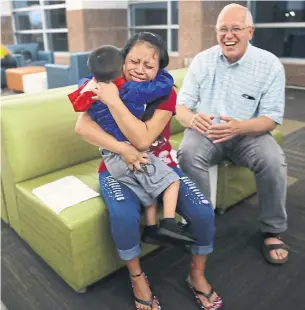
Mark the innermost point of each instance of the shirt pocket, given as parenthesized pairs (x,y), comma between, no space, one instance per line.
(245,104)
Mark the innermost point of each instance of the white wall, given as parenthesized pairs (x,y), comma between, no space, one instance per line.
(95,4)
(5,7)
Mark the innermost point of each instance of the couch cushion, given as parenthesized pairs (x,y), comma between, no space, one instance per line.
(176,127)
(178,76)
(4,215)
(77,242)
(68,219)
(38,134)
(76,237)
(176,139)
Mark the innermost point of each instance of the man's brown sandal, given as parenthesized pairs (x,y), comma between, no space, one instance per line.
(152,302)
(267,248)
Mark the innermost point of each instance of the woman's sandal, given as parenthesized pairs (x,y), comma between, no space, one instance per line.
(153,301)
(216,304)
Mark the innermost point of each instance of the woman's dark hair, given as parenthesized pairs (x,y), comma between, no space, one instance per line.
(157,43)
(154,40)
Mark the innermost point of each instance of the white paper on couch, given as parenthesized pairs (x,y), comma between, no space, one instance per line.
(64,193)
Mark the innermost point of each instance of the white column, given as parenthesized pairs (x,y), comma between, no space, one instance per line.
(5,8)
(95,4)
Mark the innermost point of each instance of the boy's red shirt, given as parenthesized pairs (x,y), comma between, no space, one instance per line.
(161,147)
(81,102)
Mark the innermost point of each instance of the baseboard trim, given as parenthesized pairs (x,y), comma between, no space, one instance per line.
(295,87)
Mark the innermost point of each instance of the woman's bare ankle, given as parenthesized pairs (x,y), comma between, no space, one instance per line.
(140,284)
(200,282)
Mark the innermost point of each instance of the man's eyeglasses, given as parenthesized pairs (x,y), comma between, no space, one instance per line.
(234,30)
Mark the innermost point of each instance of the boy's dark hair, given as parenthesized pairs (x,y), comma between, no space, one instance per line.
(157,43)
(105,63)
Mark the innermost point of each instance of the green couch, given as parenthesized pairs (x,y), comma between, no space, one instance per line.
(39,146)
(4,214)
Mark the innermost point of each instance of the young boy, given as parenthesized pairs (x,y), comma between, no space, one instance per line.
(105,63)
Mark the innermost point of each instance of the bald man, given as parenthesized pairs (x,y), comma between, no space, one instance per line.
(232,97)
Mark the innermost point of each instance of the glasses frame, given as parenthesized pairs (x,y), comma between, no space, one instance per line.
(225,30)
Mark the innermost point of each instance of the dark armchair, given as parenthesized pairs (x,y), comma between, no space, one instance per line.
(30,55)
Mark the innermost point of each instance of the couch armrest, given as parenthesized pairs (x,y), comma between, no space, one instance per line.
(79,67)
(3,78)
(278,136)
(58,75)
(20,60)
(47,56)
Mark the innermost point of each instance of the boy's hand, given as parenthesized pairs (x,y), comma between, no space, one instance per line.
(107,93)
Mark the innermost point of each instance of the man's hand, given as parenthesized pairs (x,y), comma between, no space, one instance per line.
(225,131)
(201,122)
(107,93)
(133,158)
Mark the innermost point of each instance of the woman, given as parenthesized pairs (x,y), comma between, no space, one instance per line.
(145,55)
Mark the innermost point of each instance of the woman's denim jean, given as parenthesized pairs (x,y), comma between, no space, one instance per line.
(124,210)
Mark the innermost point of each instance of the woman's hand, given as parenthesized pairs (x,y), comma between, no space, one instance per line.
(108,93)
(133,158)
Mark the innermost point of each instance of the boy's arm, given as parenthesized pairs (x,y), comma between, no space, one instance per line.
(148,92)
(81,99)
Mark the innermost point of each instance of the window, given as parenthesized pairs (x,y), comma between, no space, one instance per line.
(280,27)
(160,17)
(279,11)
(43,22)
(29,20)
(58,41)
(56,18)
(24,4)
(283,42)
(30,37)
(54,2)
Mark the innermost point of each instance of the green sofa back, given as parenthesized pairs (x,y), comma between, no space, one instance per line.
(178,76)
(38,134)
(4,215)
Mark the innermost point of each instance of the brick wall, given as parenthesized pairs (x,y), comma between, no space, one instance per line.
(90,28)
(295,74)
(6,30)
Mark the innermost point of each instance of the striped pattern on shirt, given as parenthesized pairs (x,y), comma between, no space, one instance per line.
(251,87)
